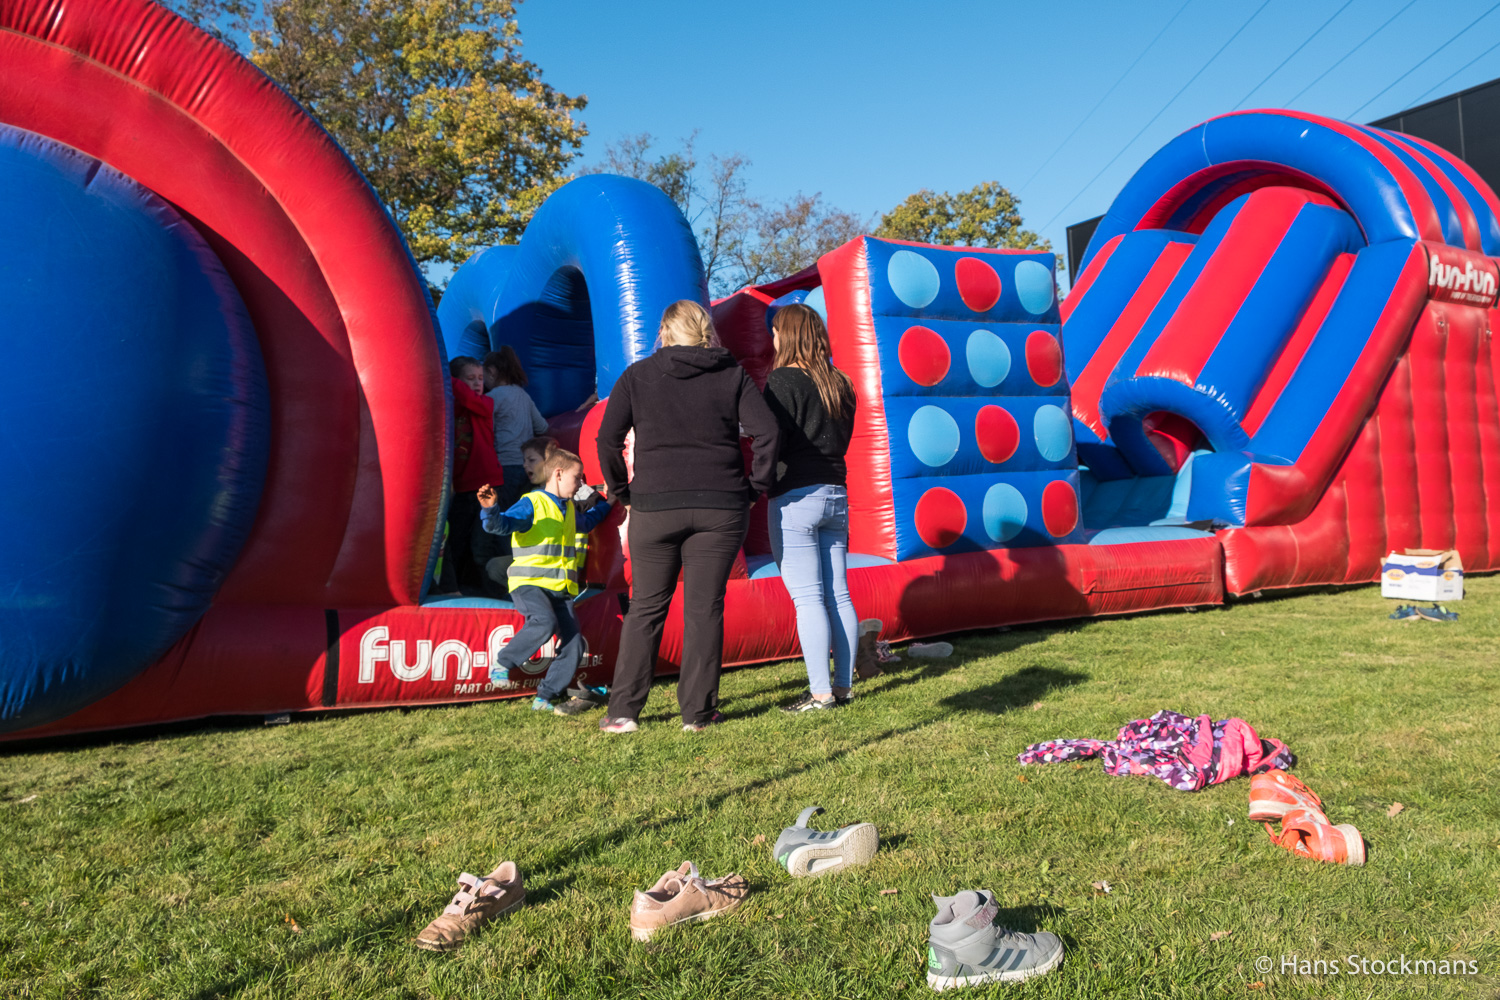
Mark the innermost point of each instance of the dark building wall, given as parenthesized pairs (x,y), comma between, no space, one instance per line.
(1466,123)
(1079,234)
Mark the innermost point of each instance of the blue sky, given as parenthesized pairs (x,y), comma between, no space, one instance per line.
(869,101)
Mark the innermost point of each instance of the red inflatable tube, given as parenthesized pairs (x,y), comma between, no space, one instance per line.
(359,419)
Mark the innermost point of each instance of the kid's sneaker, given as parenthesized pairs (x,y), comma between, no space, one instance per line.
(682,897)
(1403,613)
(1275,793)
(805,852)
(1436,613)
(1308,834)
(965,948)
(596,693)
(608,725)
(477,902)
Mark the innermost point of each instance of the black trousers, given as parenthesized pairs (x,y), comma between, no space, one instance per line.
(702,544)
(463,522)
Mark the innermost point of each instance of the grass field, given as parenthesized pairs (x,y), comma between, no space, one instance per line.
(301,860)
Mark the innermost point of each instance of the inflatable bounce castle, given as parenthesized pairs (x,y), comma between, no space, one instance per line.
(227,429)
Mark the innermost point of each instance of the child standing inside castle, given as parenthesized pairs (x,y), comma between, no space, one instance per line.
(544,574)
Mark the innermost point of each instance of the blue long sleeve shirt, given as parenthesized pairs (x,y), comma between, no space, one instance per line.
(521,514)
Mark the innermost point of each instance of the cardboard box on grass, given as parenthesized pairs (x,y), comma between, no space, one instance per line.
(1423,575)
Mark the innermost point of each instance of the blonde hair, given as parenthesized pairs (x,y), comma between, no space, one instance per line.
(685,323)
(802,342)
(559,458)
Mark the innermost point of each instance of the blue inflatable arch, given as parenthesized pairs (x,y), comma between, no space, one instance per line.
(581,296)
(1386,198)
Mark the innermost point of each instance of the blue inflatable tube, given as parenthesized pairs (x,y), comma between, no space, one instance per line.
(581,296)
(126,495)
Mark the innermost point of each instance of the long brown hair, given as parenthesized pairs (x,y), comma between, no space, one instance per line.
(802,341)
(505,366)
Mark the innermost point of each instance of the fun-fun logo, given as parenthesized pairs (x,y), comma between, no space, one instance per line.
(1467,283)
(432,661)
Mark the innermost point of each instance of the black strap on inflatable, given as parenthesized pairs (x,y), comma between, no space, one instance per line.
(331,661)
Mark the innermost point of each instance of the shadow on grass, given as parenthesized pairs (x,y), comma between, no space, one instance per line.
(1024,687)
(1031,918)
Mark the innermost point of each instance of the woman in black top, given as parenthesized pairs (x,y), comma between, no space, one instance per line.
(688,503)
(814,407)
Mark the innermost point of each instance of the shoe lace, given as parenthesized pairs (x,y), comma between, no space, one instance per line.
(692,878)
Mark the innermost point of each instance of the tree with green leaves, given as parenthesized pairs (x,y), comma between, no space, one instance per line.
(986,215)
(432,100)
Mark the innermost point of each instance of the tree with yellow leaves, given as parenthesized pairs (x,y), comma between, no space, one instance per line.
(432,100)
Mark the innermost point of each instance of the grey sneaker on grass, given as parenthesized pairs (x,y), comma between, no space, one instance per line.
(805,852)
(965,948)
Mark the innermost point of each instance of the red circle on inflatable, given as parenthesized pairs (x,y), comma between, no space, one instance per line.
(1059,507)
(940,517)
(997,433)
(924,356)
(1044,358)
(978,284)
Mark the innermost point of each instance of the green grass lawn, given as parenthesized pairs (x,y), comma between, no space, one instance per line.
(301,860)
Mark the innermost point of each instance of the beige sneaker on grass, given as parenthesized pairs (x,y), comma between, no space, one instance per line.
(683,896)
(478,901)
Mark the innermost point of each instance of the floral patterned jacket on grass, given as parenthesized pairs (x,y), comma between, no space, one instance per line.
(1187,753)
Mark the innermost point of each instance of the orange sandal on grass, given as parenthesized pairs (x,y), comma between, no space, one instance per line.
(1308,834)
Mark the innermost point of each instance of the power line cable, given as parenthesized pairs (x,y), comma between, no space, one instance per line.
(1403,76)
(1456,72)
(1154,117)
(1346,55)
(1288,59)
(1111,90)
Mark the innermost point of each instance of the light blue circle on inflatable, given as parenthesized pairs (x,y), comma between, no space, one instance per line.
(913,278)
(989,358)
(933,436)
(1004,512)
(1034,286)
(814,301)
(1054,433)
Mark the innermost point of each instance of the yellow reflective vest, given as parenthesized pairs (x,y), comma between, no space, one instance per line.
(546,555)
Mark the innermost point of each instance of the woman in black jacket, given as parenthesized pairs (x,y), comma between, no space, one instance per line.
(688,504)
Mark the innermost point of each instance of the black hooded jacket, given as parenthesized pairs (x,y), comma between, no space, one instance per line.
(687,405)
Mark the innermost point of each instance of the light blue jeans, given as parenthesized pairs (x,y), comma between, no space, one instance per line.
(810,542)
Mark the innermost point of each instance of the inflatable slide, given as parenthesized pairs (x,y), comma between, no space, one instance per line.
(1276,365)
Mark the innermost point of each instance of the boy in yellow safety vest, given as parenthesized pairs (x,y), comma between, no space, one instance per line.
(544,573)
